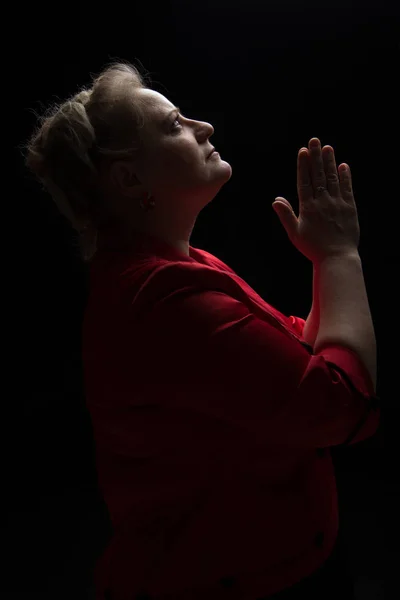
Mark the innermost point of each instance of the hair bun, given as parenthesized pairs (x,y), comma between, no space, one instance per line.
(37,163)
(60,153)
(82,97)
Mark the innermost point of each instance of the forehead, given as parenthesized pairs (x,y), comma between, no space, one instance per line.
(156,105)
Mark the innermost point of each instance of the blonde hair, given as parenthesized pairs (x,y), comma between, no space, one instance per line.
(66,150)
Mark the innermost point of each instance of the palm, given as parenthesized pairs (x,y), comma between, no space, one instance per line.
(328,220)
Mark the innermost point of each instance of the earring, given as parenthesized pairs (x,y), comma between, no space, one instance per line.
(147,204)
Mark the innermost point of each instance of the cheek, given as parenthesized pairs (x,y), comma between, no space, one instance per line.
(181,163)
(184,157)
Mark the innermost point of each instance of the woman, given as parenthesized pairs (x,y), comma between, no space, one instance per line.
(213,412)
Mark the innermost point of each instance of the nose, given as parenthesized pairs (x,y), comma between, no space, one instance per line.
(205,130)
(210,129)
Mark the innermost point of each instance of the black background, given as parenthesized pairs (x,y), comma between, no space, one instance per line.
(268,76)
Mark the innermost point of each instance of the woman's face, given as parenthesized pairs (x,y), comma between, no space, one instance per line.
(174,163)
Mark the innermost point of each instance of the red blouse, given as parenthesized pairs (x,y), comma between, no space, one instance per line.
(212,420)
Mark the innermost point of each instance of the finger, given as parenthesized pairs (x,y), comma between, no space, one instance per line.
(317,166)
(346,186)
(332,179)
(304,185)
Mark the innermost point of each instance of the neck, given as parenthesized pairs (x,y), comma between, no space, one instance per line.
(122,238)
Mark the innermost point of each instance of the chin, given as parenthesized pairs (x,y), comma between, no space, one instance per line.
(226,168)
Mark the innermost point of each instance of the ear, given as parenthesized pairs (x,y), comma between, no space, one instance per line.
(124,178)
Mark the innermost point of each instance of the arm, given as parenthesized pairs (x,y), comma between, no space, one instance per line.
(223,353)
(311,326)
(345,316)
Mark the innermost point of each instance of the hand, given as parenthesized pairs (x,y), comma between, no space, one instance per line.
(328,221)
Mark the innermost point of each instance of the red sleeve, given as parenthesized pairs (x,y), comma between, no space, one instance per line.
(352,368)
(220,360)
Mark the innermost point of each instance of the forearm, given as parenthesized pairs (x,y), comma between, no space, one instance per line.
(344,313)
(311,326)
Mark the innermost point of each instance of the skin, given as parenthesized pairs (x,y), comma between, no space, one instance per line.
(173,166)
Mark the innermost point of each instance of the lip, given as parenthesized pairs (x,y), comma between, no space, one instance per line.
(213,150)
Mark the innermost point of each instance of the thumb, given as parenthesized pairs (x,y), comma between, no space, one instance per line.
(286,215)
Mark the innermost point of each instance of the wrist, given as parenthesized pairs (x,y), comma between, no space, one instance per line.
(349,255)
